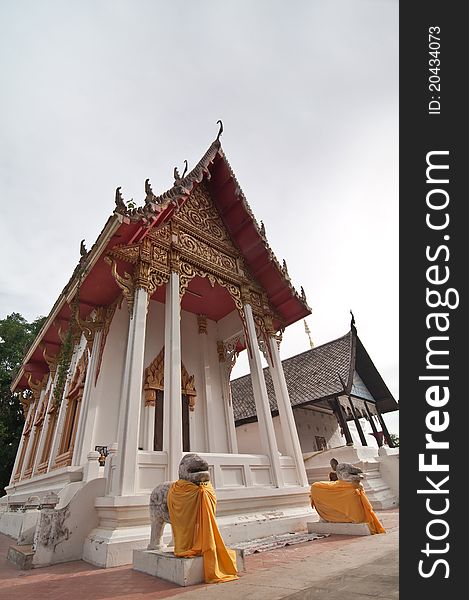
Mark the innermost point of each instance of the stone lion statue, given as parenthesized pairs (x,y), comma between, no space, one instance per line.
(346,471)
(192,468)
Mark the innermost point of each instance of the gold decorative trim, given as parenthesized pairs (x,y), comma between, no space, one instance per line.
(149,278)
(51,361)
(78,382)
(221,351)
(202,324)
(91,324)
(154,379)
(125,283)
(41,412)
(37,386)
(128,254)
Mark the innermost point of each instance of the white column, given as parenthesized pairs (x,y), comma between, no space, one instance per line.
(207,386)
(264,416)
(149,426)
(42,437)
(172,412)
(131,399)
(229,415)
(22,442)
(285,412)
(87,417)
(225,369)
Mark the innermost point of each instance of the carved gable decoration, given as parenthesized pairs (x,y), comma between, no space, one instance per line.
(203,238)
(154,381)
(199,212)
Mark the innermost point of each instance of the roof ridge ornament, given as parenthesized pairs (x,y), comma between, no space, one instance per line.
(352,321)
(177,177)
(220,131)
(149,195)
(285,268)
(120,204)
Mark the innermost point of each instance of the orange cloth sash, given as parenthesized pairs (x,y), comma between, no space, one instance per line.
(344,502)
(195,530)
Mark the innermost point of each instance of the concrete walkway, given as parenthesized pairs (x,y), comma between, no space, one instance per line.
(344,567)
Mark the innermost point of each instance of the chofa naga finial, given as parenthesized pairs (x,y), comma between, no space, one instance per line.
(83,250)
(177,177)
(120,204)
(220,131)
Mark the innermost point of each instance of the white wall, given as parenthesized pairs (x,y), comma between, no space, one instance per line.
(309,423)
(108,387)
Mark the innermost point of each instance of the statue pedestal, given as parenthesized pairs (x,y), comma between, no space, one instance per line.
(183,571)
(339,528)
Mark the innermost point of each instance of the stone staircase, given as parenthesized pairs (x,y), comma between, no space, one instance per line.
(377,490)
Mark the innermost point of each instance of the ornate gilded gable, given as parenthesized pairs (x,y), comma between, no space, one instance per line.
(199,215)
(204,240)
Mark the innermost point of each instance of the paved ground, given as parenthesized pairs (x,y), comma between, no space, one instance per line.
(331,568)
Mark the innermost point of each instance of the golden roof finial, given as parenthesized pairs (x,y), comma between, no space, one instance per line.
(308,333)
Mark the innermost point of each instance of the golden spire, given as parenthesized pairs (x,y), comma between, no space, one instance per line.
(308,333)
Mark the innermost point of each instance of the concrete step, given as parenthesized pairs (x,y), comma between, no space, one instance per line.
(21,556)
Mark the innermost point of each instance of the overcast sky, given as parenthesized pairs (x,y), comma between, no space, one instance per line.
(99,94)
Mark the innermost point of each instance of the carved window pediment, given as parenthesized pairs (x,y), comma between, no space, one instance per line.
(78,381)
(154,381)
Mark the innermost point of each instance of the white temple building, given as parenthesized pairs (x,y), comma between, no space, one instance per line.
(131,369)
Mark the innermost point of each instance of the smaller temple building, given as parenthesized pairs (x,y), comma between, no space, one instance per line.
(329,387)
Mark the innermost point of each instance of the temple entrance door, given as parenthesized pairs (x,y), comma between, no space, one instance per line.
(158,437)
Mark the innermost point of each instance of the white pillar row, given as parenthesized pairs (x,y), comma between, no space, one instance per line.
(59,425)
(88,409)
(285,411)
(227,359)
(28,416)
(131,399)
(210,424)
(264,416)
(172,411)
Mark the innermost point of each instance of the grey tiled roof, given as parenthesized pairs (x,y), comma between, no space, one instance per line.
(310,376)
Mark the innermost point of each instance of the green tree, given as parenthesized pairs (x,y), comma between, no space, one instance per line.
(395,439)
(16,335)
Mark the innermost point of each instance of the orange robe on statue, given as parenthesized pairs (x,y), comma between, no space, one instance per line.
(344,502)
(195,530)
